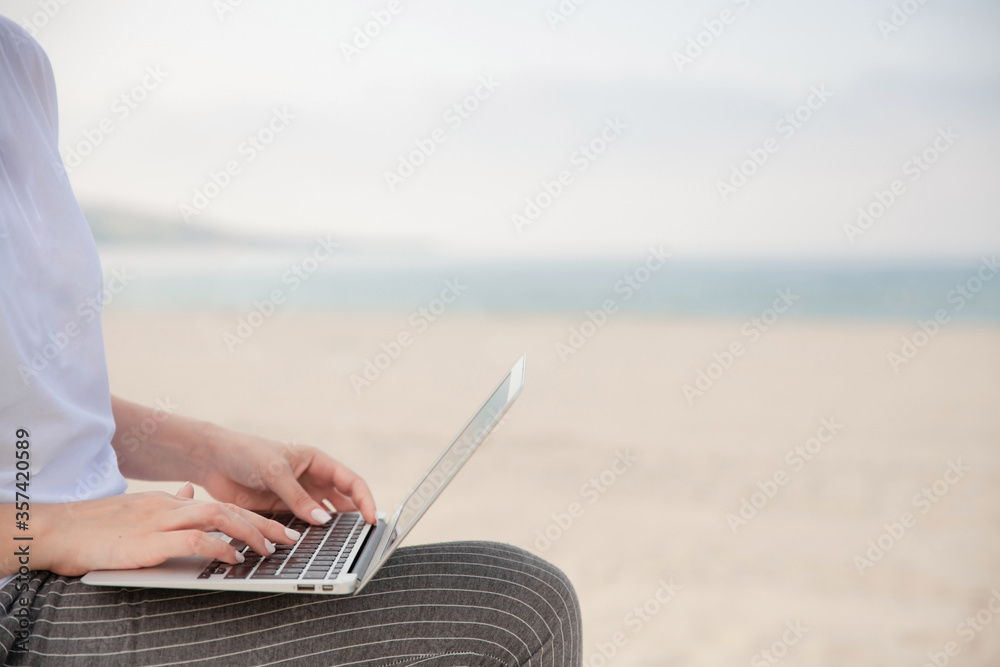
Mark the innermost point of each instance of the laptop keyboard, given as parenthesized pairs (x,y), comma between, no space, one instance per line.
(320,553)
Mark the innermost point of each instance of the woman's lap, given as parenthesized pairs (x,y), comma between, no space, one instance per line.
(462,603)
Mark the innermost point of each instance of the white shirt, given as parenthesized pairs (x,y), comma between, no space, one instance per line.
(53,372)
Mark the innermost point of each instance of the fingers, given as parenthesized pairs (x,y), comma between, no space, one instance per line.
(283,484)
(196,543)
(340,485)
(341,502)
(260,533)
(186,492)
(272,530)
(325,478)
(349,484)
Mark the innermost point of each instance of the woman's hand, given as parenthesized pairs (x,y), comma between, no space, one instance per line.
(144,529)
(245,470)
(263,475)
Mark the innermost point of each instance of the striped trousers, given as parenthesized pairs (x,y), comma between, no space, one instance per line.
(461,603)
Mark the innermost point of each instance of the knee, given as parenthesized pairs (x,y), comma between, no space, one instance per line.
(553,581)
(499,585)
(556,603)
(528,576)
(554,594)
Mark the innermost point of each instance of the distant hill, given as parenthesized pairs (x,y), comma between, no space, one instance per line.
(111,225)
(118,225)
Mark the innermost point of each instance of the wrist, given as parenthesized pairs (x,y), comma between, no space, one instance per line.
(184,450)
(159,445)
(201,457)
(43,551)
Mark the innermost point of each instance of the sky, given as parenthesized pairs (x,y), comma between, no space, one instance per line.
(690,145)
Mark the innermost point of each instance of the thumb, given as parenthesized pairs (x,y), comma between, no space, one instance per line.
(186,491)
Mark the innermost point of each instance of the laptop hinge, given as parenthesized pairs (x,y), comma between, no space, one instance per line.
(368,548)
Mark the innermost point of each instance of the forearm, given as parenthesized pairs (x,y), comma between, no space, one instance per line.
(155,444)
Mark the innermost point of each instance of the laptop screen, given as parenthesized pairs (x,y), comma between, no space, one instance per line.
(448,464)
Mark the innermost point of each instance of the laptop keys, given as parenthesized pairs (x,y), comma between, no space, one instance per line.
(239,571)
(320,553)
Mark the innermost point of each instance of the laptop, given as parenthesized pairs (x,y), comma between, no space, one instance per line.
(340,557)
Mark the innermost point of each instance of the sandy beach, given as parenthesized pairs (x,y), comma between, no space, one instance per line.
(635,489)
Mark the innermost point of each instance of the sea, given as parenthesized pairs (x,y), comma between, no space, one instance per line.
(309,278)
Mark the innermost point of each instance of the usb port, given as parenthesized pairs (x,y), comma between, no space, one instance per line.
(327,587)
(306,587)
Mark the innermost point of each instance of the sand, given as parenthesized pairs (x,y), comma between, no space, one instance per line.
(657,519)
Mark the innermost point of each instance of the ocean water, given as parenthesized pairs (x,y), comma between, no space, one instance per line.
(206,278)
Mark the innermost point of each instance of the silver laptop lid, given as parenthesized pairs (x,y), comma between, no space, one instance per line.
(448,464)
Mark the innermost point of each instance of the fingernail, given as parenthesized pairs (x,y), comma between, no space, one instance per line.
(240,557)
(319,516)
(269,545)
(292,534)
